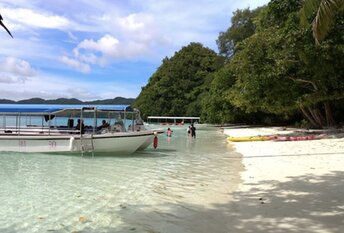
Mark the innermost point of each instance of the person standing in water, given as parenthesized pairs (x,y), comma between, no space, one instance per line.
(193,131)
(169,132)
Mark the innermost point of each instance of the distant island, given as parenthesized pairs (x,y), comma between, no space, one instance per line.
(115,101)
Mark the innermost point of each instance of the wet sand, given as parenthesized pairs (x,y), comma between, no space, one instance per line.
(289,186)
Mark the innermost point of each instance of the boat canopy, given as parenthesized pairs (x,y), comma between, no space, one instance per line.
(54,109)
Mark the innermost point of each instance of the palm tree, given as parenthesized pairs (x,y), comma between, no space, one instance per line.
(3,25)
(325,11)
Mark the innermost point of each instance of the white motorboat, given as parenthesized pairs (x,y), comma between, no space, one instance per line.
(51,128)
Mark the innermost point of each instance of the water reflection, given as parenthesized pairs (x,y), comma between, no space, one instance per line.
(41,192)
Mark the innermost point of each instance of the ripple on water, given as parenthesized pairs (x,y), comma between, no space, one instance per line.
(152,191)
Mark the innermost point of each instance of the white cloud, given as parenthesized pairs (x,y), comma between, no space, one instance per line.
(31,18)
(144,28)
(106,48)
(82,67)
(14,70)
(5,78)
(87,57)
(106,45)
(131,22)
(137,37)
(17,67)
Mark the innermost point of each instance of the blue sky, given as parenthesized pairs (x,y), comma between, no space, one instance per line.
(100,49)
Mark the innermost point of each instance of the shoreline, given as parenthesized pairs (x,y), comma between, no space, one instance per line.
(288,186)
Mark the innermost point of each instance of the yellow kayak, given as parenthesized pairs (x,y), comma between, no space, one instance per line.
(248,139)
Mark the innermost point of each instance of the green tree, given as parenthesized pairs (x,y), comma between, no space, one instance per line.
(278,69)
(242,27)
(261,83)
(176,88)
(216,107)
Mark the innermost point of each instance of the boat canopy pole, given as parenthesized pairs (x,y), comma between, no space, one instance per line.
(4,121)
(80,125)
(49,124)
(132,123)
(42,122)
(19,124)
(94,120)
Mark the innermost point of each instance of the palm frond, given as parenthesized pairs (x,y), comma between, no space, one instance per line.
(325,11)
(308,10)
(324,18)
(3,25)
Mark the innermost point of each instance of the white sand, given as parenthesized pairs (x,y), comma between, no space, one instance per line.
(292,186)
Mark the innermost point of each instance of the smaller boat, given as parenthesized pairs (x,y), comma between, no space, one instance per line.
(172,120)
(248,139)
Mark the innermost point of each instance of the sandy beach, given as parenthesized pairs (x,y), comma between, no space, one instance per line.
(288,186)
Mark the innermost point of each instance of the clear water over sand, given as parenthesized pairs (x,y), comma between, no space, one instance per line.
(183,186)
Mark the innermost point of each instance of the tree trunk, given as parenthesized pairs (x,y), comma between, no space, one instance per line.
(329,115)
(309,116)
(320,116)
(315,117)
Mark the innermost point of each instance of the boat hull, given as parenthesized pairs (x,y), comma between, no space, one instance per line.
(124,143)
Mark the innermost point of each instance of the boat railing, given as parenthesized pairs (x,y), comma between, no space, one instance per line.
(37,130)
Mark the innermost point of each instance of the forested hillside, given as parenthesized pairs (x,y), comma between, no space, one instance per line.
(272,72)
(177,87)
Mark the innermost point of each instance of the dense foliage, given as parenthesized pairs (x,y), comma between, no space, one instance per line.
(279,70)
(273,72)
(242,28)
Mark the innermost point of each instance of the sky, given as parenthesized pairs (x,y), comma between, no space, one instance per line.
(100,49)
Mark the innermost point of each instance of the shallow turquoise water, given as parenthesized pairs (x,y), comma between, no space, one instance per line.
(180,187)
